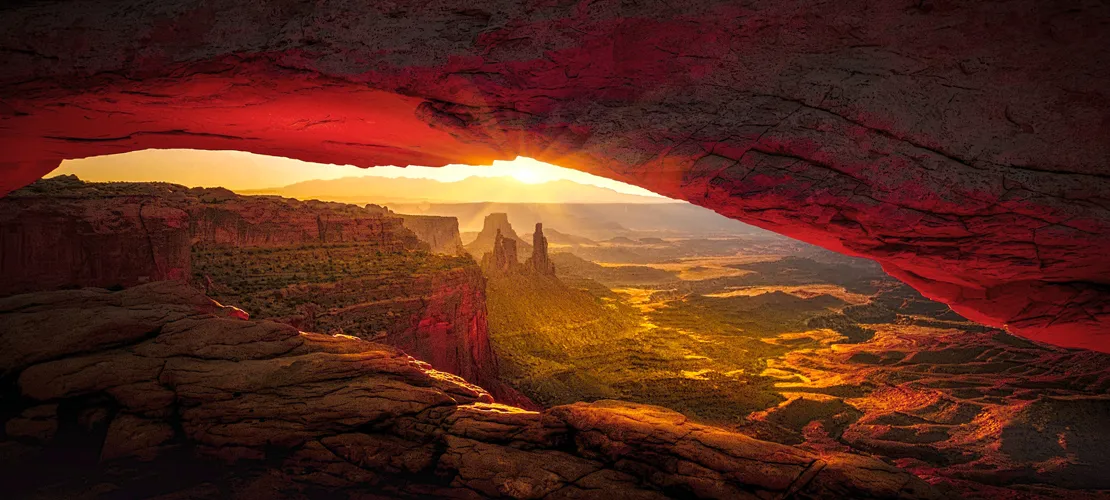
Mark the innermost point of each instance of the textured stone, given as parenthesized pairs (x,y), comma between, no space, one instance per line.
(132,436)
(118,241)
(962,144)
(437,315)
(38,423)
(63,233)
(499,471)
(300,413)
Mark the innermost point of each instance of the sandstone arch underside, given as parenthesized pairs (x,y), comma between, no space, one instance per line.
(964,145)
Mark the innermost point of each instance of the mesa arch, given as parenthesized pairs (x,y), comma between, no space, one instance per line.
(965,147)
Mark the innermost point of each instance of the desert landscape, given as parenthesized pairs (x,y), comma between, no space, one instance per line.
(275,335)
(545,250)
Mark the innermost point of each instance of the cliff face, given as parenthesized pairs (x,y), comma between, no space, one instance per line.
(220,217)
(452,332)
(440,233)
(433,309)
(158,377)
(63,232)
(328,266)
(50,242)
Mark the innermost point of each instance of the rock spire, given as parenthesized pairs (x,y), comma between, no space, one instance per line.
(540,261)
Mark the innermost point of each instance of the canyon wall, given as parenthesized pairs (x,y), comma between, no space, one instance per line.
(329,266)
(220,217)
(440,233)
(452,332)
(64,233)
(159,378)
(50,240)
(962,144)
(435,315)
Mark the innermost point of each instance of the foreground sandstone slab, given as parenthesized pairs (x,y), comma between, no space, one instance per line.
(207,405)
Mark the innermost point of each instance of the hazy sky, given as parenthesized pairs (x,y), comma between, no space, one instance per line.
(237,170)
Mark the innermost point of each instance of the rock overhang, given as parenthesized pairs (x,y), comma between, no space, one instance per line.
(962,145)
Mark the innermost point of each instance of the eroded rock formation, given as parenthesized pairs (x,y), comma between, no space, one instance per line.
(495,224)
(166,379)
(347,269)
(502,259)
(540,261)
(962,144)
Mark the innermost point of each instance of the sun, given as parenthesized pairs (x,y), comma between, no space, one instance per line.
(528,174)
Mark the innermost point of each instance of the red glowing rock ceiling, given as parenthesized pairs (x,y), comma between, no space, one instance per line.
(965,145)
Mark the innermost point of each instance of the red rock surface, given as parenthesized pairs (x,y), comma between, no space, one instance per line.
(962,144)
(58,242)
(249,409)
(451,332)
(66,233)
(996,416)
(502,259)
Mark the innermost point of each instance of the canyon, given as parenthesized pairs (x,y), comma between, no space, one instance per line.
(804,347)
(159,341)
(335,354)
(163,377)
(961,144)
(328,267)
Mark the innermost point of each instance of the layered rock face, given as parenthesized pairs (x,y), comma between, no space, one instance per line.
(220,217)
(164,379)
(50,241)
(436,315)
(63,232)
(326,266)
(962,144)
(440,233)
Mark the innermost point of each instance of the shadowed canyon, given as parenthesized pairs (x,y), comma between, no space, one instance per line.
(797,251)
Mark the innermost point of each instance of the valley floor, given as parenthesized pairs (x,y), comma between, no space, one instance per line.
(830,355)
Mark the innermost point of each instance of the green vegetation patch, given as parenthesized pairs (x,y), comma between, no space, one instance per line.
(309,280)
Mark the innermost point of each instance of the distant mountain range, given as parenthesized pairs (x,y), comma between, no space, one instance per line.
(567,208)
(386,190)
(596,221)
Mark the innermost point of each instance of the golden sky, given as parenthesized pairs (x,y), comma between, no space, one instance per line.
(237,170)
